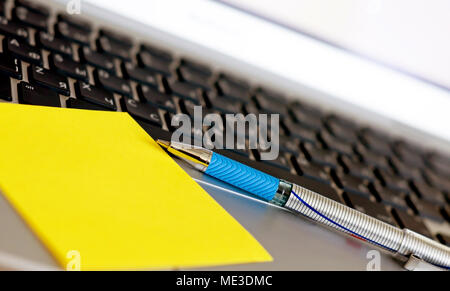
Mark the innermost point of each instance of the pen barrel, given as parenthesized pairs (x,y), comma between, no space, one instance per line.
(241,176)
(366,228)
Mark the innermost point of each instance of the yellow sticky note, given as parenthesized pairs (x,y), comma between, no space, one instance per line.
(101,194)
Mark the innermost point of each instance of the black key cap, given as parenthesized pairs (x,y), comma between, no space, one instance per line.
(143,111)
(391,197)
(439,163)
(296,130)
(414,223)
(140,75)
(410,155)
(73,33)
(355,168)
(97,60)
(114,48)
(271,105)
(23,51)
(343,129)
(373,159)
(33,6)
(187,107)
(49,79)
(76,22)
(405,171)
(352,184)
(116,37)
(444,239)
(369,207)
(155,63)
(10,67)
(427,209)
(225,105)
(290,145)
(69,67)
(5,88)
(332,143)
(200,68)
(153,96)
(310,170)
(81,104)
(30,18)
(54,44)
(113,83)
(186,91)
(281,162)
(437,181)
(195,77)
(428,193)
(13,29)
(95,95)
(157,52)
(319,156)
(392,181)
(233,89)
(33,95)
(376,142)
(306,118)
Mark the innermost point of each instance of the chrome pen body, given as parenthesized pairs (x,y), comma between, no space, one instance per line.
(325,211)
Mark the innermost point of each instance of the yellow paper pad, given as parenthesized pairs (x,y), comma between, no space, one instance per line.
(97,184)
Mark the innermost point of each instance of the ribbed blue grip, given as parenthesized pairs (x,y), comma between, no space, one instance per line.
(243,177)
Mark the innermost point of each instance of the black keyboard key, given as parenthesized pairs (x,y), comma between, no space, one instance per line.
(13,29)
(49,79)
(143,111)
(73,33)
(95,95)
(369,207)
(281,162)
(392,181)
(414,223)
(116,37)
(319,156)
(69,68)
(154,63)
(290,145)
(34,95)
(373,159)
(427,209)
(30,18)
(187,107)
(76,22)
(444,239)
(157,52)
(437,181)
(23,51)
(113,83)
(271,105)
(352,184)
(225,105)
(54,44)
(5,88)
(307,118)
(406,171)
(337,145)
(98,60)
(343,129)
(377,142)
(140,75)
(153,96)
(439,163)
(355,168)
(410,155)
(33,6)
(114,48)
(391,197)
(195,77)
(310,170)
(10,66)
(428,193)
(81,104)
(233,89)
(186,91)
(299,131)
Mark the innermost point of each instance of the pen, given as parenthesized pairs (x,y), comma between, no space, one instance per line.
(325,211)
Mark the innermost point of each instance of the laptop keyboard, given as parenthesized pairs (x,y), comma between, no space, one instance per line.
(71,64)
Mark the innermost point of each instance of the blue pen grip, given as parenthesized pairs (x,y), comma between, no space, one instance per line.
(243,177)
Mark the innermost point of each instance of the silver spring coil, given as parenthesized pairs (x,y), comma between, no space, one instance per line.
(374,231)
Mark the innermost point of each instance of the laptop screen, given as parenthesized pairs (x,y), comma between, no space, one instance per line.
(408,35)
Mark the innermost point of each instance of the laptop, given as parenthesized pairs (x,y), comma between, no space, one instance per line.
(362,89)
